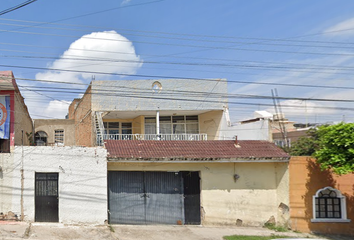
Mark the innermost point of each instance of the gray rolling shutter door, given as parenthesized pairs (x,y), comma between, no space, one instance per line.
(126,204)
(164,203)
(145,198)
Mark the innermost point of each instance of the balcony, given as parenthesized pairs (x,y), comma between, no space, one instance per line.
(162,137)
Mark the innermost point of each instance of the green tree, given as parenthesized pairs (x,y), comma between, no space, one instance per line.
(336,148)
(305,146)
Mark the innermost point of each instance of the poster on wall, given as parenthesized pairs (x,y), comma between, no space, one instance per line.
(4,117)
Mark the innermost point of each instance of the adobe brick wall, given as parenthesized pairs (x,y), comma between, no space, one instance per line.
(84,132)
(72,108)
(306,178)
(22,121)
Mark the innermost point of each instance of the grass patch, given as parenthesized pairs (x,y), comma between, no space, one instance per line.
(276,228)
(253,237)
(111,228)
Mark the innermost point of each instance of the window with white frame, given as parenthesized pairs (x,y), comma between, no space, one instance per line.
(173,125)
(329,205)
(59,137)
(118,127)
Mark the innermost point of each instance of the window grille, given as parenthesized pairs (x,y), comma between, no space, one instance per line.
(329,205)
(59,137)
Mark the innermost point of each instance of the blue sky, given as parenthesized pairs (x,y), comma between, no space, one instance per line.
(256,45)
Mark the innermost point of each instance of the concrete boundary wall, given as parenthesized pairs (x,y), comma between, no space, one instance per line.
(306,178)
(82,181)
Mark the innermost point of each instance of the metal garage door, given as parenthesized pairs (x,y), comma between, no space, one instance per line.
(145,198)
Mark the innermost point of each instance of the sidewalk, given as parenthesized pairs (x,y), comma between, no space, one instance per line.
(163,232)
(54,231)
(12,230)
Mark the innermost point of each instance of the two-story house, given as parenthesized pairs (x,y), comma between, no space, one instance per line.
(167,160)
(166,109)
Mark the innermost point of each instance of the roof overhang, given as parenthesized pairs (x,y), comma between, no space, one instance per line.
(198,160)
(134,114)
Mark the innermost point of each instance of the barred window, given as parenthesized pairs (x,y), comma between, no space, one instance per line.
(329,206)
(59,137)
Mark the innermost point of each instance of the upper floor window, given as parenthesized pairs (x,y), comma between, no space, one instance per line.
(282,143)
(118,127)
(173,125)
(329,205)
(40,138)
(59,137)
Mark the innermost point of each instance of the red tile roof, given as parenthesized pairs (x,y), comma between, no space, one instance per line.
(193,150)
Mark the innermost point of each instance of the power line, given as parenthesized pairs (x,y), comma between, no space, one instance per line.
(167,77)
(183,45)
(251,64)
(185,34)
(211,94)
(211,41)
(16,7)
(300,68)
(229,81)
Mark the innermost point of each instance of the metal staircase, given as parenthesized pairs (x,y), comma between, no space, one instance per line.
(99,128)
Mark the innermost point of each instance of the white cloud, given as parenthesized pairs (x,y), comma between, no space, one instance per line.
(343,28)
(107,52)
(303,108)
(296,109)
(57,109)
(125,2)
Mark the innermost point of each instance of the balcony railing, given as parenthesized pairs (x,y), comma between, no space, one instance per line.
(162,137)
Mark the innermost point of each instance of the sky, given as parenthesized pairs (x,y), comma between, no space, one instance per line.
(303,51)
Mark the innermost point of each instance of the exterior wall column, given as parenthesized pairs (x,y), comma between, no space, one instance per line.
(157,122)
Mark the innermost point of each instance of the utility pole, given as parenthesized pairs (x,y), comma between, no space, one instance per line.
(22,181)
(279,114)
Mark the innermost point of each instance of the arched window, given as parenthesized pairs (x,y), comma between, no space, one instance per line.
(329,206)
(40,138)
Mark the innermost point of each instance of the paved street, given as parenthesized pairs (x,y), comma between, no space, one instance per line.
(19,230)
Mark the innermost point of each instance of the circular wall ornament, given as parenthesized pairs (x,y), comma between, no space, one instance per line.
(156,87)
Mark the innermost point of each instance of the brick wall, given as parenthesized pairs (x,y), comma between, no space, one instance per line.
(84,131)
(72,108)
(22,121)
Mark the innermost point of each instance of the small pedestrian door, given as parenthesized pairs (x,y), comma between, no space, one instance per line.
(46,197)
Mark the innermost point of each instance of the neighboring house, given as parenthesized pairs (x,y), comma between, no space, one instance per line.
(65,184)
(197,182)
(15,120)
(54,132)
(292,136)
(320,201)
(15,130)
(58,184)
(257,128)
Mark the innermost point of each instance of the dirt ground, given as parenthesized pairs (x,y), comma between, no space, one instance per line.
(54,231)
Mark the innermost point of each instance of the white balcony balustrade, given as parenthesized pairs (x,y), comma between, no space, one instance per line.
(162,137)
